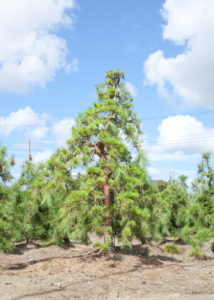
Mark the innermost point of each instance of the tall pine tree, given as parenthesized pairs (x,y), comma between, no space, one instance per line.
(105,147)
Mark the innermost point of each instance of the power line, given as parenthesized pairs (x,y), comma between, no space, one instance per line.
(179,114)
(177,142)
(191,136)
(172,139)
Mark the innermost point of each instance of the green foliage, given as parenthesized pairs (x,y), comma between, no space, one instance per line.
(112,197)
(171,248)
(173,204)
(7,213)
(196,252)
(29,211)
(200,223)
(98,183)
(103,247)
(5,164)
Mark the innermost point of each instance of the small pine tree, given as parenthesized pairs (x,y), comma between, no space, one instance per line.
(200,226)
(173,206)
(58,184)
(30,213)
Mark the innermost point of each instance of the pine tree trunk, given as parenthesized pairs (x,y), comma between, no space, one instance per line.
(100,151)
(107,202)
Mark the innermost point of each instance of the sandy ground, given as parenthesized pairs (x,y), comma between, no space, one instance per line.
(80,272)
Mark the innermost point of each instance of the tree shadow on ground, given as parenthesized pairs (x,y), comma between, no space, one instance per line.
(143,253)
(22,266)
(169,240)
(22,247)
(83,256)
(145,261)
(25,246)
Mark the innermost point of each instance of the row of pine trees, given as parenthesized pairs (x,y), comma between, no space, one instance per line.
(98,183)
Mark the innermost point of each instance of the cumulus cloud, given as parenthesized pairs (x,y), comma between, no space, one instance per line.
(39,132)
(189,75)
(62,130)
(165,174)
(179,138)
(73,66)
(155,172)
(23,119)
(31,47)
(36,127)
(185,133)
(158,155)
(41,156)
(130,87)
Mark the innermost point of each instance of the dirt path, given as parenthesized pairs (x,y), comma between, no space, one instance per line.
(81,273)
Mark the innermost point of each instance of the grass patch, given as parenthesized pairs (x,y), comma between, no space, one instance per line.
(171,248)
(196,252)
(203,277)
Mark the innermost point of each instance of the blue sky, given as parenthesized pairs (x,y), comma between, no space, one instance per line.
(53,53)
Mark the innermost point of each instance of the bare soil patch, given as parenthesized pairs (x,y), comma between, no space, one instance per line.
(80,272)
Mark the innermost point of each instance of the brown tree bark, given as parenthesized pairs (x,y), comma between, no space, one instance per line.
(100,151)
(107,202)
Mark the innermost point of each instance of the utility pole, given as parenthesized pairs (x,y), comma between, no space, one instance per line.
(29,149)
(29,180)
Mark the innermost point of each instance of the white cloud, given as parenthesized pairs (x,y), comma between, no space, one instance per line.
(73,66)
(22,119)
(185,133)
(130,87)
(62,130)
(39,133)
(41,156)
(31,47)
(166,173)
(190,74)
(155,172)
(157,155)
(180,138)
